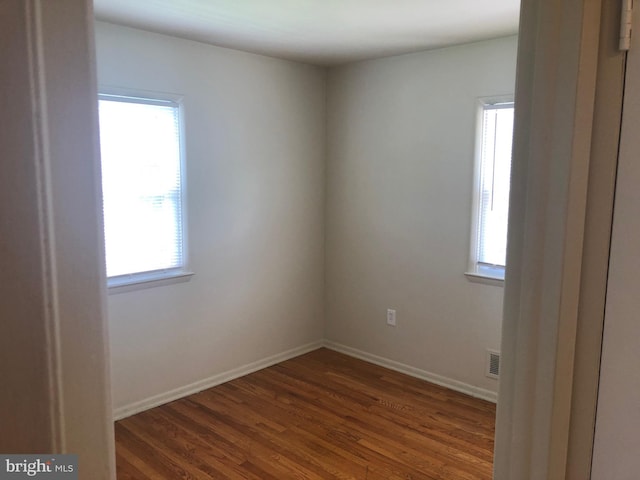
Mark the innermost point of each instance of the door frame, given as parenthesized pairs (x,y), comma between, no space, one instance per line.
(568,109)
(568,89)
(54,347)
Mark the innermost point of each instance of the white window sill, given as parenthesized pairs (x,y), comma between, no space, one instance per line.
(483,278)
(140,282)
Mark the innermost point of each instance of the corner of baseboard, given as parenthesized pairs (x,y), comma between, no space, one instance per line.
(181,392)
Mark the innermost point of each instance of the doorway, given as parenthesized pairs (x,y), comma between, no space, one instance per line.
(76,378)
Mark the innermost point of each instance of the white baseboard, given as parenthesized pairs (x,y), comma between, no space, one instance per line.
(166,397)
(170,396)
(414,372)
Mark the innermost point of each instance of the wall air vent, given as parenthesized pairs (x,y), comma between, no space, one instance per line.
(492,364)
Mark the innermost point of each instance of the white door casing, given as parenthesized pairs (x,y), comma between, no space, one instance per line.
(615,455)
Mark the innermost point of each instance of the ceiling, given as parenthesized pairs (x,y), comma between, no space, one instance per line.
(322,32)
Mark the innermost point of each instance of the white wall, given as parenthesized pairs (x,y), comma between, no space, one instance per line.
(255,147)
(398,208)
(398,183)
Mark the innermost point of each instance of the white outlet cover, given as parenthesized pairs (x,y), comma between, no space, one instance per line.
(391,317)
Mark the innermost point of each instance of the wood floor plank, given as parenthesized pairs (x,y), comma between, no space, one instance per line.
(323,415)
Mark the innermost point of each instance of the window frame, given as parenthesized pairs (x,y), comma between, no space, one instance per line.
(166,276)
(477,272)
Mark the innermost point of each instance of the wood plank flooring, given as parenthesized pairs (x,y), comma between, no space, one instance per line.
(319,416)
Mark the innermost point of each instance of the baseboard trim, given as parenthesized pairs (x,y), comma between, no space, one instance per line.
(170,396)
(176,394)
(414,372)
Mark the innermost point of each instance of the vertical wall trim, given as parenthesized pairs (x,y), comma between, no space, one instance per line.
(45,211)
(597,240)
(555,91)
(53,350)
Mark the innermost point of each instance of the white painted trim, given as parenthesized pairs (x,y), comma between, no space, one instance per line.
(54,238)
(49,253)
(141,281)
(479,278)
(449,383)
(220,378)
(555,92)
(181,392)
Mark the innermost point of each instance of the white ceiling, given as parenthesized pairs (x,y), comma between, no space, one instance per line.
(323,32)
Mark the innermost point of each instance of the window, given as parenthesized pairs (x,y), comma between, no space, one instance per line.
(142,188)
(491,202)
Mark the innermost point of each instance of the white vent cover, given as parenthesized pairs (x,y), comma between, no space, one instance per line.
(492,364)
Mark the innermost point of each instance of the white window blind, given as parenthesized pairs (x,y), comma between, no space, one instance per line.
(493,189)
(141,183)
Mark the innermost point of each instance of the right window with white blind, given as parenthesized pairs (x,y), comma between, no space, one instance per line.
(492,178)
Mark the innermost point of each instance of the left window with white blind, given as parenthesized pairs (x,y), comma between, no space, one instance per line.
(143,189)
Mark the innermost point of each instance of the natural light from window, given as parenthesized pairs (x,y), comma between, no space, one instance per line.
(141,183)
(489,243)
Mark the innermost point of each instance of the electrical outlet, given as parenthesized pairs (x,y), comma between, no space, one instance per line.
(391,317)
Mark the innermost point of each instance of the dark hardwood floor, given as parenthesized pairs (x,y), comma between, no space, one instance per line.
(319,416)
